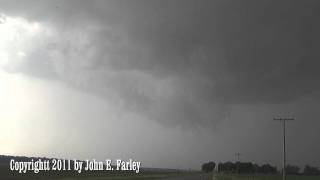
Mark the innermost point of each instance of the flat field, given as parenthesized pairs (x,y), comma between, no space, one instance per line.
(264,177)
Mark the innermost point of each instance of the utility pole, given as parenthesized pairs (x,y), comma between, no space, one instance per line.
(284,143)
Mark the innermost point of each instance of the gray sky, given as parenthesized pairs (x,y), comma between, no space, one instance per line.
(170,83)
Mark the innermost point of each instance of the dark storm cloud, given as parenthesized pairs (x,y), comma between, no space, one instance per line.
(249,51)
(182,62)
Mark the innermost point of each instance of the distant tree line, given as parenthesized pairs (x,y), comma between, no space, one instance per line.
(246,167)
(291,169)
(249,167)
(309,170)
(208,167)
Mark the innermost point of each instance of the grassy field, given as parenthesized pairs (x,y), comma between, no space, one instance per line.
(263,177)
(104,175)
(132,177)
(137,177)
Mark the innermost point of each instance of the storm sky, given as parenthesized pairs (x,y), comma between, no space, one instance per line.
(170,83)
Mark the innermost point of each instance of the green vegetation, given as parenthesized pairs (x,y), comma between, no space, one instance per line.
(252,169)
(132,177)
(264,177)
(145,173)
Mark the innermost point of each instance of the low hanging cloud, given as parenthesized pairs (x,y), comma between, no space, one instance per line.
(178,63)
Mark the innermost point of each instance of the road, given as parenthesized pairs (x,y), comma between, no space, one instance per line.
(192,177)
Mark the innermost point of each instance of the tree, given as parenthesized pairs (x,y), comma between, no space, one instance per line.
(245,167)
(309,170)
(208,167)
(267,169)
(228,167)
(291,169)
